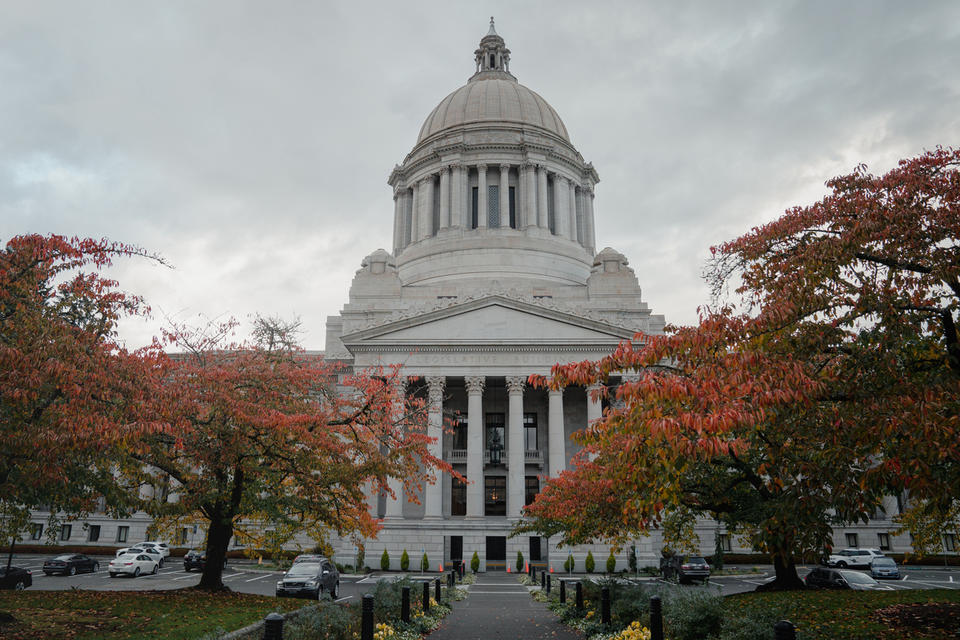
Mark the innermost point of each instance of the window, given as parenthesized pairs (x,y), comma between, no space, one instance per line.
(493,206)
(513,207)
(458,498)
(495,433)
(852,541)
(535,549)
(949,542)
(66,531)
(459,433)
(182,534)
(122,533)
(94,533)
(474,207)
(36,530)
(495,496)
(533,488)
(530,432)
(725,543)
(883,541)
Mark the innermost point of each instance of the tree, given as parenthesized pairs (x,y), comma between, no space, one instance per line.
(475,562)
(611,562)
(836,386)
(424,563)
(69,391)
(588,563)
(385,561)
(519,564)
(264,436)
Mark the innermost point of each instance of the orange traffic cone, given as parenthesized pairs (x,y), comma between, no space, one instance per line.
(526,568)
(508,568)
(441,567)
(551,568)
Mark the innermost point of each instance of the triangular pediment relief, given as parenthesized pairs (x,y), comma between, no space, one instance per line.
(494,320)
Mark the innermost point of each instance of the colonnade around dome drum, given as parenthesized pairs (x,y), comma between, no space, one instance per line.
(486,196)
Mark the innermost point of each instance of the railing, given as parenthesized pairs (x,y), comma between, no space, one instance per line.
(456,456)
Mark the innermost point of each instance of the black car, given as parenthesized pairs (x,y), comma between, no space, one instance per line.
(310,580)
(826,578)
(15,578)
(196,559)
(70,564)
(685,569)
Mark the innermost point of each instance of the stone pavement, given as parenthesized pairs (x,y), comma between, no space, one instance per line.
(500,607)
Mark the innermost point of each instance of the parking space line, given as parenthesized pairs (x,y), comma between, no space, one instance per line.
(236,575)
(259,577)
(343,598)
(186,577)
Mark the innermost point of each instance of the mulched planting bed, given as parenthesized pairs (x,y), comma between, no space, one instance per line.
(183,614)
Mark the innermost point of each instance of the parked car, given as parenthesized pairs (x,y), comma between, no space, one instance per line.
(133,564)
(853,558)
(311,580)
(137,550)
(884,568)
(70,564)
(685,569)
(162,547)
(826,578)
(196,559)
(16,578)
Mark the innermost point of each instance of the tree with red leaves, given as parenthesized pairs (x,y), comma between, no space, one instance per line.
(69,391)
(262,436)
(838,383)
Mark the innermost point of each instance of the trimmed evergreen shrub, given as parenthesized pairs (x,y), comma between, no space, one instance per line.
(475,562)
(385,561)
(588,564)
(611,562)
(404,561)
(424,563)
(519,561)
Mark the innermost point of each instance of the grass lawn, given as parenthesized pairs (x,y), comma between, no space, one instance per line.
(183,614)
(858,615)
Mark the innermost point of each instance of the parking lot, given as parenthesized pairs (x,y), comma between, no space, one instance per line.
(247,577)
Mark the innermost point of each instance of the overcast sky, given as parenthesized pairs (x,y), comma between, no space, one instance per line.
(249,143)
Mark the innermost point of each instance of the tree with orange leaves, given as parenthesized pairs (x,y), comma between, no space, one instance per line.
(264,436)
(69,391)
(836,386)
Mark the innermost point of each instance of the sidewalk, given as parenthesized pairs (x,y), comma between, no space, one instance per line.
(500,607)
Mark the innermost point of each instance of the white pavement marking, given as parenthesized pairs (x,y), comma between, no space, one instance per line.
(939,585)
(186,577)
(343,598)
(259,577)
(235,575)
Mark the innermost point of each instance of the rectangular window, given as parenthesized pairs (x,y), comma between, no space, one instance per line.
(93,533)
(535,549)
(495,496)
(532,489)
(122,533)
(530,432)
(458,498)
(725,543)
(513,207)
(852,541)
(460,433)
(493,206)
(474,207)
(883,541)
(66,531)
(182,534)
(36,530)
(949,542)
(495,435)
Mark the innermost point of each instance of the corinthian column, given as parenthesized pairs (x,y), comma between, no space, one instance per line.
(515,447)
(445,198)
(426,207)
(481,196)
(395,507)
(529,196)
(415,212)
(433,493)
(397,221)
(561,206)
(475,446)
(572,208)
(505,195)
(558,444)
(543,221)
(456,195)
(591,239)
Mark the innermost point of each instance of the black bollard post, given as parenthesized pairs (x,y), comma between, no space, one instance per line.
(366,618)
(273,627)
(563,591)
(656,618)
(405,604)
(451,579)
(426,597)
(543,579)
(784,630)
(533,574)
(580,597)
(549,581)
(436,590)
(605,605)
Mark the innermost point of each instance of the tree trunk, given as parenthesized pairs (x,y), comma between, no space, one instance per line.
(786,578)
(218,537)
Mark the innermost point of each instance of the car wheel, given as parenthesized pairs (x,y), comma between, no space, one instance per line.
(160,564)
(842,564)
(113,575)
(319,593)
(72,571)
(136,572)
(49,573)
(20,586)
(336,590)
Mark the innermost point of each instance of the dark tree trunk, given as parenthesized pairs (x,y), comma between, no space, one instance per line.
(786,575)
(218,537)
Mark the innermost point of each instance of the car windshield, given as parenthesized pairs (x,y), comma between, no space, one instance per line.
(855,577)
(303,569)
(63,558)
(884,562)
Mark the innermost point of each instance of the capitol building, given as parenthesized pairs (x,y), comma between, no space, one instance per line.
(493,275)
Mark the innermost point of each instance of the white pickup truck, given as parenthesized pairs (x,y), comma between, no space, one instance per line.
(853,558)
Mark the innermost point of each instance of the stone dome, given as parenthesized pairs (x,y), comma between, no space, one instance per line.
(488,99)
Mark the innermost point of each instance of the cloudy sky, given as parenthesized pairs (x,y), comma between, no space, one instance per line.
(249,143)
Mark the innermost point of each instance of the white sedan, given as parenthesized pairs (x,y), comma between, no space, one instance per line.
(153,552)
(162,547)
(133,564)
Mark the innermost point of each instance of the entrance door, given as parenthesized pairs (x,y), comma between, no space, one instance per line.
(535,549)
(456,548)
(496,553)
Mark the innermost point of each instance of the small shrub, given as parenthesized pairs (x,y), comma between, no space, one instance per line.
(519,561)
(693,614)
(385,561)
(326,621)
(475,562)
(611,562)
(588,564)
(568,564)
(424,563)
(404,560)
(361,558)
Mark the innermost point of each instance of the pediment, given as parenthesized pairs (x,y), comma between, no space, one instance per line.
(494,320)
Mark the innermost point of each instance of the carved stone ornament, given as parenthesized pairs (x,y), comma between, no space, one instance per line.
(515,384)
(474,384)
(436,384)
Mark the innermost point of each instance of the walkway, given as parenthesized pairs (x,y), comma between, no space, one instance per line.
(500,607)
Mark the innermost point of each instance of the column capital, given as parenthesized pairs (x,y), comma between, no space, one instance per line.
(515,384)
(435,386)
(481,166)
(505,166)
(475,384)
(453,166)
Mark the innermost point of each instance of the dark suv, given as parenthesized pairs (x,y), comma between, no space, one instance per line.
(310,580)
(196,559)
(685,569)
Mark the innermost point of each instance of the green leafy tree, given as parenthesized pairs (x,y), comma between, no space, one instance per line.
(475,562)
(424,563)
(385,561)
(404,561)
(361,558)
(611,562)
(568,564)
(589,564)
(519,561)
